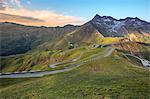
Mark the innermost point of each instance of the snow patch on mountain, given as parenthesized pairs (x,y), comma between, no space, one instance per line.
(116,26)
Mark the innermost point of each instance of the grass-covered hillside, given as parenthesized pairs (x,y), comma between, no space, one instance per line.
(49,52)
(140,37)
(41,59)
(110,77)
(18,38)
(37,59)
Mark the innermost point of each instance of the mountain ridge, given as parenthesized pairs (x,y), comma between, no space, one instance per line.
(25,37)
(18,38)
(97,15)
(111,27)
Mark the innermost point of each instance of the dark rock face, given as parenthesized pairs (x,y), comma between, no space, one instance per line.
(110,27)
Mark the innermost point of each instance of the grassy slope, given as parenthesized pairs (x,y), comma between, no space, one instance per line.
(109,40)
(40,60)
(112,76)
(25,38)
(37,60)
(145,38)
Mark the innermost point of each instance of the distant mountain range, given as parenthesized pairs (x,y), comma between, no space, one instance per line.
(18,38)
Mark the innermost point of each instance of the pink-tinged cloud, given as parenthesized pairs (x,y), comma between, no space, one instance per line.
(48,18)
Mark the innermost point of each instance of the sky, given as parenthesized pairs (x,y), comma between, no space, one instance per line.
(61,12)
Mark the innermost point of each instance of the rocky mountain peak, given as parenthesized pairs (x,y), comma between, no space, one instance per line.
(103,17)
(110,27)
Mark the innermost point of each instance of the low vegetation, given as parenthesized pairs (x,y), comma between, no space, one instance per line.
(104,78)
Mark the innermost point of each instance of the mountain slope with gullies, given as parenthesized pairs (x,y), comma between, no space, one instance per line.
(85,35)
(17,38)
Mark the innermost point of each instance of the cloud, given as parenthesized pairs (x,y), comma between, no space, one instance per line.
(15,12)
(10,4)
(15,18)
(49,18)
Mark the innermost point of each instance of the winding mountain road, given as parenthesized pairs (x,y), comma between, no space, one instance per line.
(43,73)
(78,58)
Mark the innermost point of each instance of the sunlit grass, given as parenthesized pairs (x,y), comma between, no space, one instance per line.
(109,77)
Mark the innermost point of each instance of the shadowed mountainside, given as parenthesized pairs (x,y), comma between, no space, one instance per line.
(18,38)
